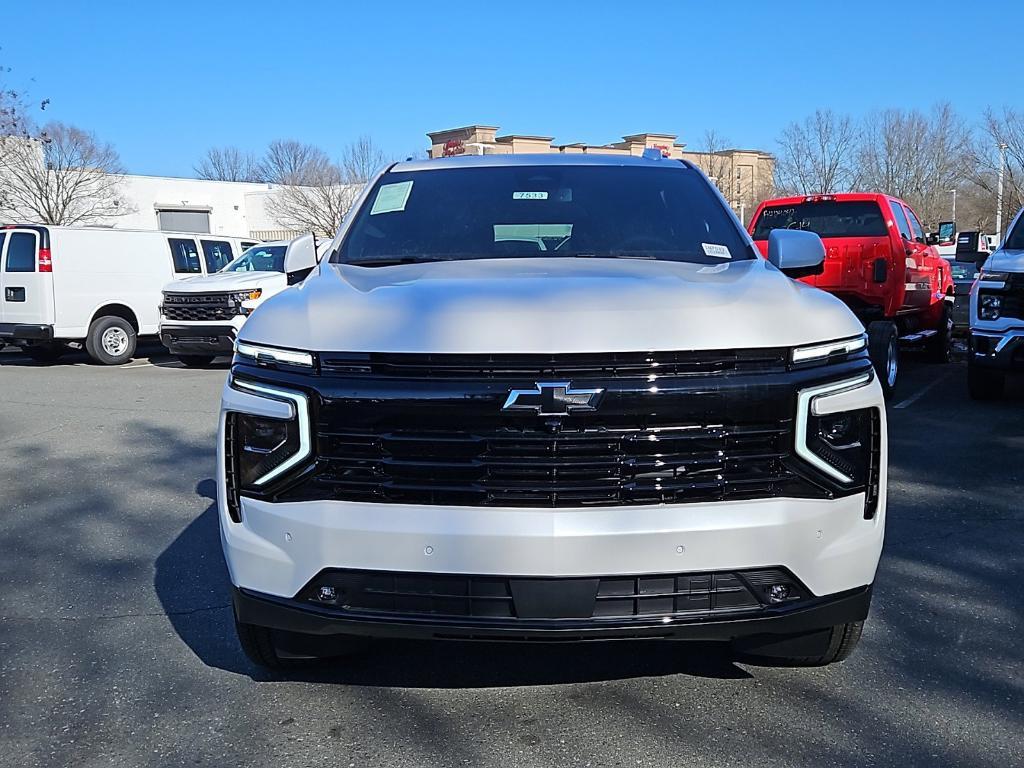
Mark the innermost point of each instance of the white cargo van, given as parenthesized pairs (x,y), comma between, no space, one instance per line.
(96,287)
(201,316)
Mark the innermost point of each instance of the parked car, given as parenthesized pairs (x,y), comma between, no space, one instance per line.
(552,398)
(997,317)
(880,264)
(95,287)
(200,316)
(971,251)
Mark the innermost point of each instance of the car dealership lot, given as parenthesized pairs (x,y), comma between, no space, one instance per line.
(116,643)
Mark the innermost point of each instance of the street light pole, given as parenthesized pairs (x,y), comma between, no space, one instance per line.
(954,204)
(999,195)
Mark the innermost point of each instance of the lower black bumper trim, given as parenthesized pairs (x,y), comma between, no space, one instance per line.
(817,613)
(198,339)
(23,332)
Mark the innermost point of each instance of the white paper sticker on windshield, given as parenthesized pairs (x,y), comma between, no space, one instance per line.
(718,251)
(391,198)
(529,195)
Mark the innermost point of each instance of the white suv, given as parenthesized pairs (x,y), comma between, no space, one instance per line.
(550,398)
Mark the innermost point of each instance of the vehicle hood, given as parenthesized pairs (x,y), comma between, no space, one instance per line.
(223,281)
(1006,261)
(548,305)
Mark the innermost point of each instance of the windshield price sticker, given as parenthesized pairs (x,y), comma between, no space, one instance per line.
(391,198)
(717,251)
(529,195)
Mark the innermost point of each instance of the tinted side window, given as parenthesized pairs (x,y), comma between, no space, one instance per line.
(185,255)
(217,254)
(915,225)
(21,253)
(901,219)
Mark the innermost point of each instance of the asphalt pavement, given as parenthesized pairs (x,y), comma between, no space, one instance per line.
(117,647)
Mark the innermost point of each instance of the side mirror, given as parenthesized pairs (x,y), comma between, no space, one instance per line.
(796,252)
(931,239)
(300,254)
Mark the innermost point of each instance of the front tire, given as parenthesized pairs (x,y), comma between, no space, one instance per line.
(839,645)
(985,383)
(884,351)
(111,340)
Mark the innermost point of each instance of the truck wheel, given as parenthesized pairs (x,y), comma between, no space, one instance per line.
(111,340)
(260,645)
(884,351)
(939,348)
(45,353)
(985,383)
(195,361)
(841,642)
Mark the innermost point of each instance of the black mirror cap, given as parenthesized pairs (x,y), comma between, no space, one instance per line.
(931,240)
(797,272)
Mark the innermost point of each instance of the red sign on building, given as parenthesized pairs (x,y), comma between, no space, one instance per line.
(453,147)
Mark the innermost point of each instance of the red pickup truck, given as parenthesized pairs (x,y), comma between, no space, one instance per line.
(880,263)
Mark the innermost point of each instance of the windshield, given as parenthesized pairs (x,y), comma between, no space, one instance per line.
(598,211)
(259,258)
(826,218)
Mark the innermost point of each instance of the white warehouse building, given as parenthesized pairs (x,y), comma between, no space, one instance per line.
(197,205)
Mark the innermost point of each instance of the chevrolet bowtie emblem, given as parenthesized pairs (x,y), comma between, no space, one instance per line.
(553,398)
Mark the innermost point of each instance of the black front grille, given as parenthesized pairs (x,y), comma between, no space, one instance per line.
(199,307)
(510,598)
(521,367)
(529,466)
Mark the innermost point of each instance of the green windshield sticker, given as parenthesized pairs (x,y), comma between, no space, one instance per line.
(391,198)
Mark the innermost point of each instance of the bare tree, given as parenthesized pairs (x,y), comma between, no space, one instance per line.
(312,194)
(229,164)
(66,177)
(917,157)
(818,155)
(715,162)
(361,160)
(1001,129)
(316,192)
(15,112)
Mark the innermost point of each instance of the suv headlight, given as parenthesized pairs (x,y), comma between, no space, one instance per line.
(824,351)
(263,448)
(845,446)
(990,306)
(262,355)
(994,277)
(250,295)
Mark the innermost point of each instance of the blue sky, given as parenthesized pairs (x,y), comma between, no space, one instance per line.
(164,81)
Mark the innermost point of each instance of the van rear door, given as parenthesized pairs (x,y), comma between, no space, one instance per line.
(26,279)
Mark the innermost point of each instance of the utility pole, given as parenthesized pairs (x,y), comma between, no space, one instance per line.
(999,195)
(954,204)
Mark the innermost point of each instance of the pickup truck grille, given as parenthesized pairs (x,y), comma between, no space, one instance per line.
(199,307)
(534,467)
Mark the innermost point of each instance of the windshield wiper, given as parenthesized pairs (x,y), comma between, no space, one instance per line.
(387,261)
(610,255)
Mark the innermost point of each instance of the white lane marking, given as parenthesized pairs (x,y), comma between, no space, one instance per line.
(921,392)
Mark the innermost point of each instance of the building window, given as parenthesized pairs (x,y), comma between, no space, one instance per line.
(184,221)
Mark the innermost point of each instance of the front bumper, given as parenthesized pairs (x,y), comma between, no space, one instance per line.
(198,339)
(1003,350)
(797,618)
(12,332)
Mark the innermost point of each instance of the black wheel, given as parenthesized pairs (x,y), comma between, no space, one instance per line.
(274,649)
(111,340)
(985,383)
(45,353)
(195,361)
(838,645)
(884,351)
(939,348)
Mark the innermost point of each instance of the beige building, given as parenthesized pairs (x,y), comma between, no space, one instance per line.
(743,175)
